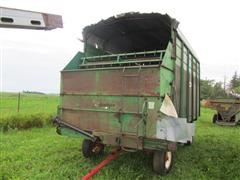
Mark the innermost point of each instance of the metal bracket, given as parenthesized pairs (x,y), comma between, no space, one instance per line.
(60,122)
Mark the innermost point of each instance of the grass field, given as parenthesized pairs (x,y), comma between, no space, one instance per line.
(29,103)
(42,154)
(34,110)
(39,153)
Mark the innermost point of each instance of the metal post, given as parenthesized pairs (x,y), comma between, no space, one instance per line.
(18,107)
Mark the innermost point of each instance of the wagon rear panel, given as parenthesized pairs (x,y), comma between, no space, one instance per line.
(109,101)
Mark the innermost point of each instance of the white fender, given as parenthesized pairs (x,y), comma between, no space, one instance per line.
(172,128)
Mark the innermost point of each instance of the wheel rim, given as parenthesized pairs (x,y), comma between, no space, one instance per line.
(168,159)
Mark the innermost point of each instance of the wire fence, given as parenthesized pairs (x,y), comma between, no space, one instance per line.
(28,103)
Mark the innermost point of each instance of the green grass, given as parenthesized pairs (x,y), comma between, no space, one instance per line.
(42,154)
(35,110)
(29,103)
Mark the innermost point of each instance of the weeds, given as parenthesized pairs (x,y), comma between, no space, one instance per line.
(36,110)
(25,121)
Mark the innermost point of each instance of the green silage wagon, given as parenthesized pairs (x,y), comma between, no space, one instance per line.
(227,111)
(135,86)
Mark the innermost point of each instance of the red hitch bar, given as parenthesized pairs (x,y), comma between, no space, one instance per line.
(114,154)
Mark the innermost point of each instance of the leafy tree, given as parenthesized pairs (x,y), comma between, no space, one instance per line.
(235,83)
(210,89)
(237,89)
(218,91)
(206,89)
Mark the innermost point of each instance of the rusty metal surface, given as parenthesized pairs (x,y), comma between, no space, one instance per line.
(93,121)
(116,87)
(224,101)
(114,103)
(226,108)
(112,115)
(114,82)
(110,101)
(52,21)
(24,19)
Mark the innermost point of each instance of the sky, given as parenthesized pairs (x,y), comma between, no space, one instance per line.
(32,60)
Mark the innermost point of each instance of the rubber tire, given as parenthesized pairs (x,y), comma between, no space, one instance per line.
(87,147)
(101,152)
(159,162)
(215,118)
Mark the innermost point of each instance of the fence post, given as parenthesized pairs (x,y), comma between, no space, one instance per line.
(18,107)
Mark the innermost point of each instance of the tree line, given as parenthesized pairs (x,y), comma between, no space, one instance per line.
(212,89)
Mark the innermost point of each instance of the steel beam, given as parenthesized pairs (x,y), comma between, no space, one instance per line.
(22,19)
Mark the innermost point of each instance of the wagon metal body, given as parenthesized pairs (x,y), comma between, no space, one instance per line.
(228,111)
(136,85)
(23,19)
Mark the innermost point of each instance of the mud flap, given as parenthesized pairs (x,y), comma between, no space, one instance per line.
(172,128)
(175,129)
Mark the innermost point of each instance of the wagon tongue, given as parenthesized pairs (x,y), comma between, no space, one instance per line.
(112,156)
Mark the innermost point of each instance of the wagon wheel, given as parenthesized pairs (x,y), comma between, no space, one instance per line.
(90,148)
(98,148)
(87,147)
(215,118)
(162,162)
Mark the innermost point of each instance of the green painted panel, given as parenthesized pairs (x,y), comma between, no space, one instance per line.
(113,100)
(166,78)
(73,64)
(129,123)
(167,73)
(70,133)
(167,60)
(154,144)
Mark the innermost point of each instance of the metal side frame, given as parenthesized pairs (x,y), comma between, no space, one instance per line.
(69,130)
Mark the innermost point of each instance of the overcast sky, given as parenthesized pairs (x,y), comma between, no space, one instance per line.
(31,60)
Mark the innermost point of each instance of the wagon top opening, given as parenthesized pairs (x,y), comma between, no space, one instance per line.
(130,32)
